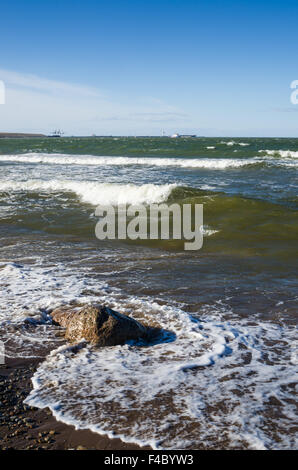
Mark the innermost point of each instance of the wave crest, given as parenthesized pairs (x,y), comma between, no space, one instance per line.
(63,159)
(96,193)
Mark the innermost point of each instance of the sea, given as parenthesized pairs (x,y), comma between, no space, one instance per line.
(223,372)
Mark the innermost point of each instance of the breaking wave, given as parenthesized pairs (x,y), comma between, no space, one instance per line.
(63,159)
(94,192)
(280,153)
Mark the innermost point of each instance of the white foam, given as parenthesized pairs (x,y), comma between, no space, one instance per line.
(207,231)
(281,153)
(96,193)
(231,143)
(167,394)
(28,291)
(63,159)
(209,378)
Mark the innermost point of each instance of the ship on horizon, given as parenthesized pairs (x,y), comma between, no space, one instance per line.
(177,136)
(56,133)
(182,136)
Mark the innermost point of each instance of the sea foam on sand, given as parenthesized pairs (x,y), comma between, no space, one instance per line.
(206,382)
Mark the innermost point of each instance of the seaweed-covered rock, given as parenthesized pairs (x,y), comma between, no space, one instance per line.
(101,326)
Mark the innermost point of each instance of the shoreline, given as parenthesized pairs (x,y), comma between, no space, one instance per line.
(20,135)
(26,428)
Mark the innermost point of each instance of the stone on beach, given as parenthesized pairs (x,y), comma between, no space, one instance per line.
(101,326)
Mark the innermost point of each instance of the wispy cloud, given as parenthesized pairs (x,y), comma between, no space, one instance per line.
(147,117)
(38,104)
(162,116)
(33,82)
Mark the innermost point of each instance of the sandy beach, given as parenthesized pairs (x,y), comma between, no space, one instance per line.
(27,428)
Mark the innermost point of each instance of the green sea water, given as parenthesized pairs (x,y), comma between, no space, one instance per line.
(237,294)
(248,186)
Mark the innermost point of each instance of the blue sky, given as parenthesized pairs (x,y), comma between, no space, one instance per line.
(136,67)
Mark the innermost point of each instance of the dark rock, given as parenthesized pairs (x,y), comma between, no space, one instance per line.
(101,326)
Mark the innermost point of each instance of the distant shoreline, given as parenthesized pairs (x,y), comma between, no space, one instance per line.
(19,135)
(16,135)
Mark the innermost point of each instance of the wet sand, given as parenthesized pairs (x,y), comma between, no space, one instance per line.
(27,428)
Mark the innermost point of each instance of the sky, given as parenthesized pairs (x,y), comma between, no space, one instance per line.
(212,68)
